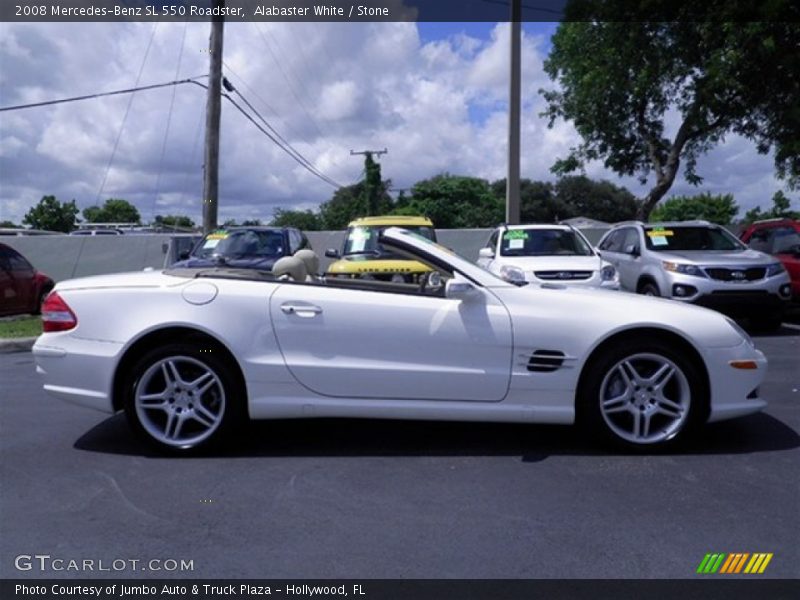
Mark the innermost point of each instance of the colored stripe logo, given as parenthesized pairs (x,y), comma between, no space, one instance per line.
(737,562)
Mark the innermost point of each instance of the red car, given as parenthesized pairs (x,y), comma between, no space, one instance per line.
(22,288)
(780,237)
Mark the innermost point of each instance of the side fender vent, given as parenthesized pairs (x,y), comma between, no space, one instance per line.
(546,361)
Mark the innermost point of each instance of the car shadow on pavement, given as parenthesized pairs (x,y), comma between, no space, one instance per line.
(368,437)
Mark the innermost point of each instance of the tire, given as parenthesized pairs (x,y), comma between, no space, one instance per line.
(649,289)
(642,395)
(183,398)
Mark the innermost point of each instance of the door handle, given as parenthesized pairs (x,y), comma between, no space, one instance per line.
(301,310)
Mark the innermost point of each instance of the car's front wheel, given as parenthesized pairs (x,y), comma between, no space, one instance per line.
(182,398)
(649,289)
(642,394)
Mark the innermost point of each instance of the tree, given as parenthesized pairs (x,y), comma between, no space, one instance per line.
(620,78)
(8,224)
(347,204)
(601,200)
(454,201)
(251,223)
(114,210)
(781,209)
(537,202)
(52,215)
(305,220)
(720,209)
(375,199)
(174,221)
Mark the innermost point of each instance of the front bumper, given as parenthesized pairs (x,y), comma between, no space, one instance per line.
(77,370)
(772,294)
(735,391)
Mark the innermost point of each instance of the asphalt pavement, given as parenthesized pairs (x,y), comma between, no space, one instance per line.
(388,499)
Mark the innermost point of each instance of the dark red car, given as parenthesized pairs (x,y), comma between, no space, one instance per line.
(780,237)
(22,288)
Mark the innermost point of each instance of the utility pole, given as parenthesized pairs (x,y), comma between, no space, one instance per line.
(372,179)
(514,101)
(213,113)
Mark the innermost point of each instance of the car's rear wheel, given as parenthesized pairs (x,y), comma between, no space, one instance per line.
(183,399)
(641,395)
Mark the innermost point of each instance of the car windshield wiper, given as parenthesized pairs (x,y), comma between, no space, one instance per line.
(367,252)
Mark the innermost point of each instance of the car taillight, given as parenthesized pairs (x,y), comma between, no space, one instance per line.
(57,315)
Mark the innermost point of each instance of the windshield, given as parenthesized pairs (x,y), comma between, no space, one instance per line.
(364,240)
(543,242)
(240,244)
(691,238)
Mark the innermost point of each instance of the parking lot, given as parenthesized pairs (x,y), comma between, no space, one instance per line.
(380,499)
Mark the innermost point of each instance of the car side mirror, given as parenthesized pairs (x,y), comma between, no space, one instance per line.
(485,253)
(332,253)
(183,255)
(459,289)
(632,249)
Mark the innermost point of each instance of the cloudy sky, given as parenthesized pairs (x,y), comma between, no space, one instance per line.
(434,94)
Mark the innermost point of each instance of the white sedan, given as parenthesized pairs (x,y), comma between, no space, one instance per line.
(189,354)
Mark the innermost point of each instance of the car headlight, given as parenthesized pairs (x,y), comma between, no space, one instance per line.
(738,329)
(608,273)
(512,274)
(775,269)
(684,269)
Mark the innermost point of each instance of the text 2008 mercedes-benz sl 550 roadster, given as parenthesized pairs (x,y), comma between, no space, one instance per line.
(190,353)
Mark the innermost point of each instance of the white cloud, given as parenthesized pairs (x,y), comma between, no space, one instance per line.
(326,87)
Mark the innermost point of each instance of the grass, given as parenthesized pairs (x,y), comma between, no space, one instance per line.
(20,328)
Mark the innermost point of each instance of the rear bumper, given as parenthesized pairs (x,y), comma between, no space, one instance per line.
(76,370)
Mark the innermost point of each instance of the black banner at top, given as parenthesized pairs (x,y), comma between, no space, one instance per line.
(397,10)
(397,589)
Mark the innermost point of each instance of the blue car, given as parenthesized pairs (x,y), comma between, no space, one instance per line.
(244,248)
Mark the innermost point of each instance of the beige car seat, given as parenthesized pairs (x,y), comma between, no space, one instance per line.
(311,262)
(290,268)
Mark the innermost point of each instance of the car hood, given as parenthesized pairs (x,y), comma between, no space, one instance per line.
(704,257)
(553,263)
(604,311)
(135,279)
(252,262)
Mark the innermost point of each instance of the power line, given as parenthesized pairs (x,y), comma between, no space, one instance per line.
(299,158)
(291,131)
(287,146)
(169,121)
(125,116)
(102,94)
(297,98)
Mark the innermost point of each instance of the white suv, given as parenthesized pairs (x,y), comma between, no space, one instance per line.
(546,254)
(701,263)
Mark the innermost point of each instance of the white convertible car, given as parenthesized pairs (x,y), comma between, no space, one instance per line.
(189,353)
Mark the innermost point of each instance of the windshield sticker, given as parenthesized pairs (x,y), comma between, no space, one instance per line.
(211,242)
(516,244)
(515,234)
(658,232)
(219,235)
(658,240)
